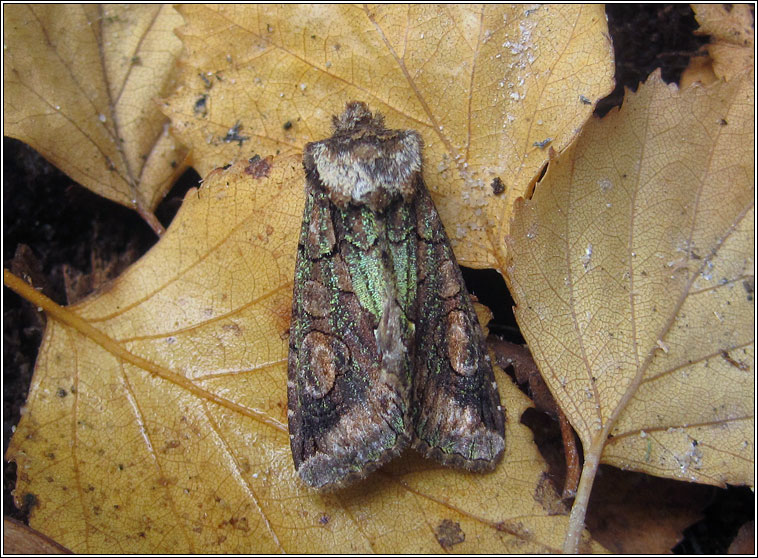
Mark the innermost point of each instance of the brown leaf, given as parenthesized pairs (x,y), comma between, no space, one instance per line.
(744,542)
(486,86)
(156,417)
(20,539)
(526,373)
(80,83)
(632,269)
(631,513)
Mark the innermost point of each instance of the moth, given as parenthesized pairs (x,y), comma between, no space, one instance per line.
(385,348)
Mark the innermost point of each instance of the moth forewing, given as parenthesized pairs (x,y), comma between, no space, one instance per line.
(385,348)
(457,415)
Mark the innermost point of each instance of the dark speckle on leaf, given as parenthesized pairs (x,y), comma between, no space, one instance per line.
(259,168)
(201,105)
(497,186)
(234,135)
(30,501)
(449,533)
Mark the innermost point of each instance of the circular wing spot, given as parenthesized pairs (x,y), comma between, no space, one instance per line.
(460,349)
(322,356)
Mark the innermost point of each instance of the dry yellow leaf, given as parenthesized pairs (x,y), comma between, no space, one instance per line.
(80,86)
(633,272)
(488,87)
(732,31)
(156,420)
(632,269)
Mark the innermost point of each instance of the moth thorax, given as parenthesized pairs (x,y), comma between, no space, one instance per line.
(372,171)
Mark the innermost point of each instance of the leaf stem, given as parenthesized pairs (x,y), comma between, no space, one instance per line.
(579,509)
(150,219)
(64,315)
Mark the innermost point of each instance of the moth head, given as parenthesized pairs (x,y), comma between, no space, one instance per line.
(357,116)
(363,162)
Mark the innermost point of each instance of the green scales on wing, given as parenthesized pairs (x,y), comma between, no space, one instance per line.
(385,347)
